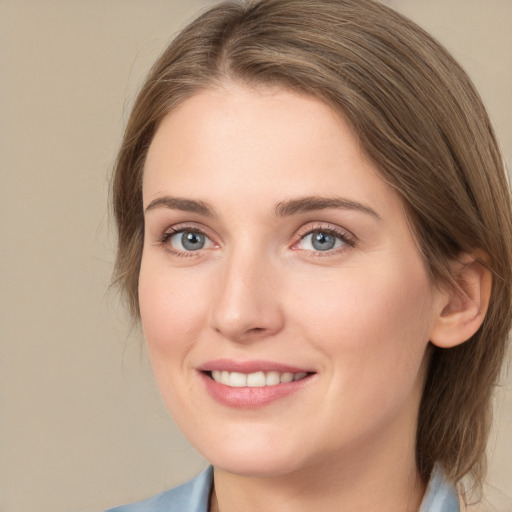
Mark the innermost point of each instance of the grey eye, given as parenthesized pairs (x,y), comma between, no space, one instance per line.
(320,241)
(189,241)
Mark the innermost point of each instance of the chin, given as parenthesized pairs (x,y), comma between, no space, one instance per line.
(248,457)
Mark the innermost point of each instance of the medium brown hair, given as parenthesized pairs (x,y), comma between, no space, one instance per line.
(420,120)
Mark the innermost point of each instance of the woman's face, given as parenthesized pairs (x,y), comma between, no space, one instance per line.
(285,305)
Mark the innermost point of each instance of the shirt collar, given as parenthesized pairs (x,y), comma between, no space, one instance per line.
(194,496)
(440,495)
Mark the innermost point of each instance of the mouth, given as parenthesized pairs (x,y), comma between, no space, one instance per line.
(258,379)
(252,384)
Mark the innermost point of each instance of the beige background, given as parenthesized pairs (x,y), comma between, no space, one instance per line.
(82,427)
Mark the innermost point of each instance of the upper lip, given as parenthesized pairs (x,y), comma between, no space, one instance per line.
(252,366)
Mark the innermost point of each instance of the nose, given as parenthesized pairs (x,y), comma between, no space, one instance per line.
(247,306)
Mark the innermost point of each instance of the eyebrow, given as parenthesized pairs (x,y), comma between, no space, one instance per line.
(314,203)
(282,209)
(177,203)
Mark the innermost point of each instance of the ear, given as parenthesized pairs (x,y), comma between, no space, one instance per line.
(463,304)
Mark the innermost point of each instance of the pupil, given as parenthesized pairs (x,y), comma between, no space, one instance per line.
(323,241)
(192,241)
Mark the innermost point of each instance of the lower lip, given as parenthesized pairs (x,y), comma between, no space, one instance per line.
(251,398)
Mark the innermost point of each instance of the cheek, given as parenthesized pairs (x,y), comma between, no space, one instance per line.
(170,312)
(172,317)
(375,324)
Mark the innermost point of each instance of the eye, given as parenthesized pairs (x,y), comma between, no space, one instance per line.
(188,240)
(320,241)
(323,240)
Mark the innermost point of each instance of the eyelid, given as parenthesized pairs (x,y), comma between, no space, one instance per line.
(186,226)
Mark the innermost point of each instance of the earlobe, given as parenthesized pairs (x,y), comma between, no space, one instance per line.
(463,304)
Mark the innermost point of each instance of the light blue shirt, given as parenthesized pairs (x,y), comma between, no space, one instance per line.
(194,496)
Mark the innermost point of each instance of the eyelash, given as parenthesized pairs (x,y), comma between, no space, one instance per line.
(346,237)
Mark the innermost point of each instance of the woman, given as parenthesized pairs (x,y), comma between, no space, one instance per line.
(315,230)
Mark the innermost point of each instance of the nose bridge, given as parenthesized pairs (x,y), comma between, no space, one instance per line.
(247,305)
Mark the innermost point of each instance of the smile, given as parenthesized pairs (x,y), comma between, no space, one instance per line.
(252,384)
(255,380)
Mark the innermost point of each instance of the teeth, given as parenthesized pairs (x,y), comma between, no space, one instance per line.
(286,377)
(237,380)
(255,380)
(272,378)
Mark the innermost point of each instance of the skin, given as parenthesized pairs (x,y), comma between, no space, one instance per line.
(358,317)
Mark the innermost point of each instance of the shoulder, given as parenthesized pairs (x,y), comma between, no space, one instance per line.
(192,496)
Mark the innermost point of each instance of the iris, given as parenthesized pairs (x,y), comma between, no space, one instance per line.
(192,241)
(323,241)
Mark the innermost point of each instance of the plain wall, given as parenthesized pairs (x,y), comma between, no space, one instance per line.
(82,427)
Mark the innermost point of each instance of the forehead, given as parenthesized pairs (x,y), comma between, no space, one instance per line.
(244,117)
(263,142)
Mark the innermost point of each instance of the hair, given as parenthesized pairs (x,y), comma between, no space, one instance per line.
(418,118)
